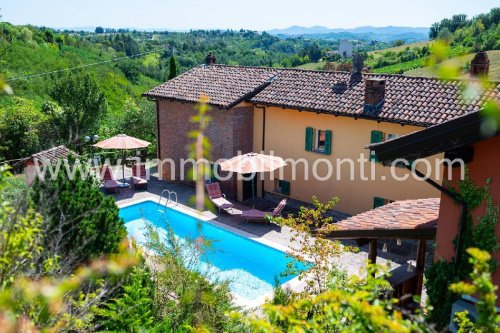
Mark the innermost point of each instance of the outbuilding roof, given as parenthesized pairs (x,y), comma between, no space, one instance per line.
(53,154)
(413,219)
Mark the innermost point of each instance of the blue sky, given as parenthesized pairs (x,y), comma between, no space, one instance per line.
(249,14)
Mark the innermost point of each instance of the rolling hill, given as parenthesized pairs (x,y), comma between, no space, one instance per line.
(367,33)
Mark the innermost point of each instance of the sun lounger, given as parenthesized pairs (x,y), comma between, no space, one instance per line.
(111,185)
(217,197)
(139,177)
(255,215)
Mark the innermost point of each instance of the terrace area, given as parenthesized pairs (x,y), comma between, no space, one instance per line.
(389,252)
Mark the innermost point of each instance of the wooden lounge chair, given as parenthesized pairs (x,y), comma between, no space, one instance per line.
(217,197)
(138,178)
(259,216)
(111,185)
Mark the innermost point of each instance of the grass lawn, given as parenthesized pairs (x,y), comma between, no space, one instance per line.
(401,48)
(494,74)
(312,65)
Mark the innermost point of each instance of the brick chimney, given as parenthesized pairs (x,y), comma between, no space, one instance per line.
(210,59)
(480,65)
(374,91)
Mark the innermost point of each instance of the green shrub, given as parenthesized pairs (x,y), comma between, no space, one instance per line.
(184,297)
(132,310)
(80,223)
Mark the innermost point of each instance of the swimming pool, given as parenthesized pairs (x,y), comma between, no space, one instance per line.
(249,266)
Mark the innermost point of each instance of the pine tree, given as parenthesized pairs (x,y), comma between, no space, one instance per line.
(173,70)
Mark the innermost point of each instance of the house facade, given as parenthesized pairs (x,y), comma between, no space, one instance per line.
(306,116)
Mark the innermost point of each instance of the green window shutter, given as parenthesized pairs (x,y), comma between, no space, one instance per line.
(376,137)
(213,171)
(285,187)
(328,142)
(309,139)
(378,202)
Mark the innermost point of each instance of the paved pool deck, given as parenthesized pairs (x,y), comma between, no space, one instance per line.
(349,261)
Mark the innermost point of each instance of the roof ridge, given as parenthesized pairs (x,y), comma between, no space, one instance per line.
(295,69)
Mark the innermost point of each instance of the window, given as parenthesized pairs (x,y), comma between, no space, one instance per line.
(379,202)
(282,186)
(392,136)
(376,137)
(319,141)
(379,136)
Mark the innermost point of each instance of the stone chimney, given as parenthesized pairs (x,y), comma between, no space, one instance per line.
(480,65)
(210,59)
(374,91)
(357,64)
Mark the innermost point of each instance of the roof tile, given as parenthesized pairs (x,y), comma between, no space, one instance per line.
(401,215)
(411,100)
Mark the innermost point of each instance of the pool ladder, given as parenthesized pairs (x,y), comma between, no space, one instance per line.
(168,198)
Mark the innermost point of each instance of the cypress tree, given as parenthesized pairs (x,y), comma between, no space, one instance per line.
(173,70)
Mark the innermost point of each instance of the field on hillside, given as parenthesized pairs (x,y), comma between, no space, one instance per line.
(312,66)
(401,48)
(374,55)
(461,61)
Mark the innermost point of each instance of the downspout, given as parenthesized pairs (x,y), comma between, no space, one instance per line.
(450,194)
(158,150)
(263,138)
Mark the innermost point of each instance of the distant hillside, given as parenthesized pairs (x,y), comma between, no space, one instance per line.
(372,57)
(368,33)
(27,52)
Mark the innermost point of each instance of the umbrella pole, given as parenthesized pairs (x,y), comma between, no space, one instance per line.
(123,165)
(253,192)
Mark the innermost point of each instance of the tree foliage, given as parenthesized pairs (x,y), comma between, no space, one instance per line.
(21,129)
(80,223)
(480,286)
(132,310)
(173,71)
(310,228)
(480,31)
(83,105)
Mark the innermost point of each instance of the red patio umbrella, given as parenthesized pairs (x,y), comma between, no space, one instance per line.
(123,142)
(252,163)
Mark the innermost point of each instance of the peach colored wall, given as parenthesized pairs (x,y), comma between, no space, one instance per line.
(285,135)
(486,164)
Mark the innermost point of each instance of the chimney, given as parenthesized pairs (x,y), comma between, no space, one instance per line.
(480,65)
(357,64)
(210,59)
(374,94)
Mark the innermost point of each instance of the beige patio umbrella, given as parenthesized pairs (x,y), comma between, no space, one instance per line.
(123,142)
(252,163)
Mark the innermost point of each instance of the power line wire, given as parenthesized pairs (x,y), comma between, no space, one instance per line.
(80,66)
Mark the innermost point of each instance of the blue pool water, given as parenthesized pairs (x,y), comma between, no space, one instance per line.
(249,266)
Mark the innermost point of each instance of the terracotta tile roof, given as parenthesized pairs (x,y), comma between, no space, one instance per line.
(404,218)
(408,100)
(53,154)
(224,85)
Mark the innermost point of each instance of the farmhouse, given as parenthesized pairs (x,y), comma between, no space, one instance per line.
(308,116)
